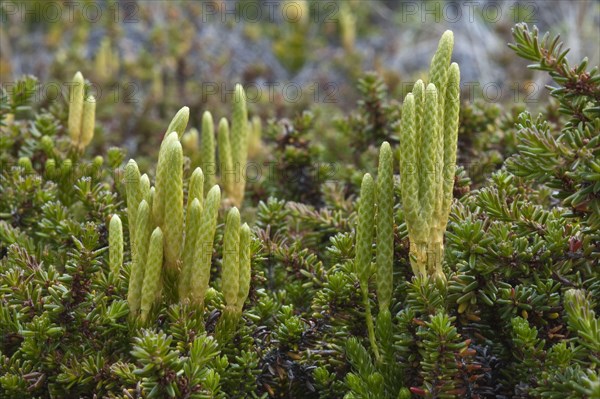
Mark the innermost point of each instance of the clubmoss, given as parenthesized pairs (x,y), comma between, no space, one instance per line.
(119,283)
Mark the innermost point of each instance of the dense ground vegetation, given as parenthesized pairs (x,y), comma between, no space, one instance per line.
(297,303)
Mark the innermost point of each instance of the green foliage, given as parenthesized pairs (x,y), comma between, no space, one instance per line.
(578,88)
(486,137)
(166,372)
(582,320)
(376,117)
(294,172)
(574,175)
(440,348)
(320,299)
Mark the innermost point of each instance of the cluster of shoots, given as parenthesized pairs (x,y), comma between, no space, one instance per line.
(82,114)
(376,223)
(235,278)
(428,137)
(429,129)
(171,247)
(234,144)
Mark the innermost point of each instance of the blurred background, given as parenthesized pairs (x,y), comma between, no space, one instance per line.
(146,59)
